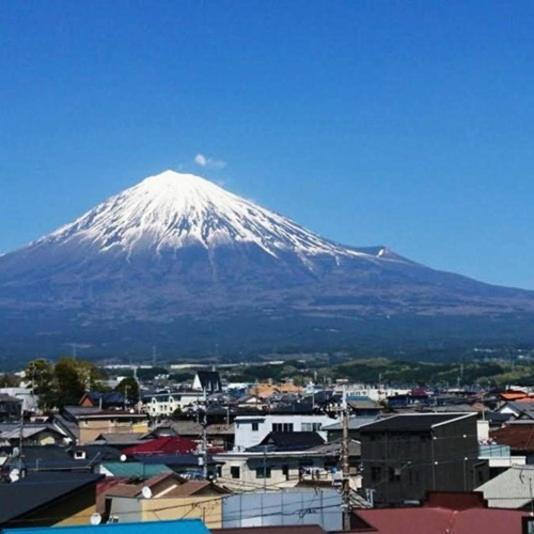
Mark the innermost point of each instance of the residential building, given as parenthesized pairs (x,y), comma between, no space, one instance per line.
(26,395)
(252,430)
(10,408)
(64,459)
(404,456)
(87,423)
(284,460)
(165,404)
(207,381)
(166,497)
(513,488)
(12,434)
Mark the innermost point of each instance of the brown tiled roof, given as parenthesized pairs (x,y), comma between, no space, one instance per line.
(124,490)
(191,487)
(518,436)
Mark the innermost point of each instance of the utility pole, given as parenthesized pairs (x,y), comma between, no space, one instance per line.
(345,462)
(21,433)
(126,388)
(205,439)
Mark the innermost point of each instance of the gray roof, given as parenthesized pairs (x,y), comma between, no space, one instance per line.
(4,397)
(39,490)
(421,422)
(333,448)
(186,428)
(10,431)
(354,423)
(364,404)
(120,438)
(510,489)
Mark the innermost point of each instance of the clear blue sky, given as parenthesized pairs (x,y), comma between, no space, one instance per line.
(409,124)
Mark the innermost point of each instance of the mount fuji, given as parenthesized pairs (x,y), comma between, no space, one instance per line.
(178,262)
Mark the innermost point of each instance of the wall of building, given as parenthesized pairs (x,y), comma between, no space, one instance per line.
(125,509)
(283,471)
(291,507)
(208,508)
(402,467)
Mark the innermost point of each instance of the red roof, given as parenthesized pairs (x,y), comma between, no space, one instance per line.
(428,520)
(163,445)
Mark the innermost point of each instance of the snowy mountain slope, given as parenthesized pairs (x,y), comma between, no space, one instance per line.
(172,210)
(177,247)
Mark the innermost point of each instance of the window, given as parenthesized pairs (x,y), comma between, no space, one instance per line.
(376,473)
(235,471)
(255,427)
(263,472)
(311,427)
(282,427)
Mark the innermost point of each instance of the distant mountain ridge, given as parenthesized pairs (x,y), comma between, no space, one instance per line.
(176,255)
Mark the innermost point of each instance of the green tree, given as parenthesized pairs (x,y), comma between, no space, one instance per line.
(71,381)
(130,389)
(40,374)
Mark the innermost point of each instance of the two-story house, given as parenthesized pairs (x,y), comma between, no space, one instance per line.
(250,430)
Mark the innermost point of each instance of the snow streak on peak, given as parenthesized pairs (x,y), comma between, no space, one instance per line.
(173,210)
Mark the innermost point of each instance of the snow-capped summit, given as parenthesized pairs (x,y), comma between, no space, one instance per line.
(172,210)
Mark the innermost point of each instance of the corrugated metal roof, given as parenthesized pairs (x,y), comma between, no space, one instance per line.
(440,520)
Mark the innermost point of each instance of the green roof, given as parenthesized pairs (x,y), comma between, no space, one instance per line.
(135,469)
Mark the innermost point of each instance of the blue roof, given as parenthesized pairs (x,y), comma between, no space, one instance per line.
(179,526)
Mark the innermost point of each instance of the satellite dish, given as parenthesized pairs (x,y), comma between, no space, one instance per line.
(96,519)
(123,457)
(14,475)
(146,492)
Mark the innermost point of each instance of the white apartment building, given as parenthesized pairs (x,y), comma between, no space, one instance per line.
(251,430)
(165,404)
